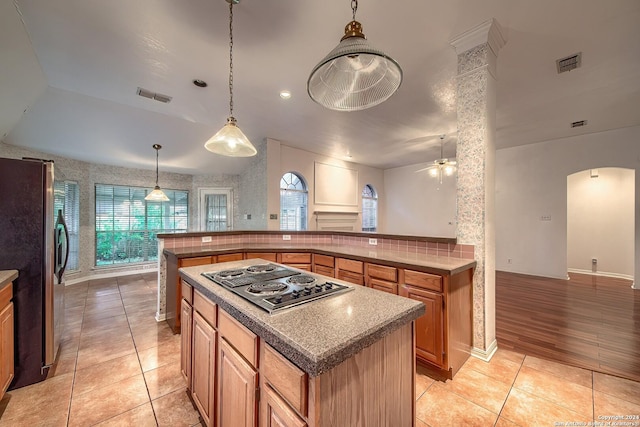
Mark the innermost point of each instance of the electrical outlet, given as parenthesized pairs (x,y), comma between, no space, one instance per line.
(286,237)
(206,239)
(545,218)
(273,216)
(509,261)
(373,242)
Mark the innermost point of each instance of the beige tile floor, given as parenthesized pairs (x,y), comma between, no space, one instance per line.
(118,367)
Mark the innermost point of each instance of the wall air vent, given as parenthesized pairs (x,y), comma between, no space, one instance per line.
(145,93)
(569,63)
(579,124)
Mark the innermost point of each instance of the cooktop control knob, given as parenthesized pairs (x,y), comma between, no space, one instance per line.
(278,299)
(295,294)
(318,288)
(307,291)
(328,285)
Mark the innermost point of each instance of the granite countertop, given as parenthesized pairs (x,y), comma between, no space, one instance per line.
(431,263)
(7,276)
(316,336)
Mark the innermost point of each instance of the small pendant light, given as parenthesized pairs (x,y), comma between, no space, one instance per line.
(354,75)
(157,195)
(230,141)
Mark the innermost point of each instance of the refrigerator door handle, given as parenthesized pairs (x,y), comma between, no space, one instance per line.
(62,264)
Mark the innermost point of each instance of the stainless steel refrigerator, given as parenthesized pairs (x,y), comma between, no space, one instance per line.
(34,241)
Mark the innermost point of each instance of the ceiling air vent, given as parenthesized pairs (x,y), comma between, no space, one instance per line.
(569,63)
(579,123)
(152,95)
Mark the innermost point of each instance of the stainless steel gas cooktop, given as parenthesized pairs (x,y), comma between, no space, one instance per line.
(273,287)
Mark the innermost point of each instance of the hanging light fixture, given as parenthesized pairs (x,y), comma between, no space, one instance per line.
(157,195)
(230,141)
(442,166)
(354,75)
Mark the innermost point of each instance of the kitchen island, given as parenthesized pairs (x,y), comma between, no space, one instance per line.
(344,360)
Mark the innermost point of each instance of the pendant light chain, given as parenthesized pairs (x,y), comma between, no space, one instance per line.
(231,58)
(354,8)
(157,149)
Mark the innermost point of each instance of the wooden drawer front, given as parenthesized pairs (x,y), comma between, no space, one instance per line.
(305,267)
(390,274)
(201,260)
(296,258)
(327,261)
(350,277)
(230,257)
(5,295)
(206,308)
(423,280)
(241,338)
(351,265)
(383,286)
(286,378)
(187,291)
(269,256)
(325,271)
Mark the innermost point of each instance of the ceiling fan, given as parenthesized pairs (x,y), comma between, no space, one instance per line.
(441,166)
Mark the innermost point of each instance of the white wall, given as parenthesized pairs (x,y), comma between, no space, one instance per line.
(417,204)
(531,182)
(600,222)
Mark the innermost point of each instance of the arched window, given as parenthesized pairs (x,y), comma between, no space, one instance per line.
(293,202)
(369,209)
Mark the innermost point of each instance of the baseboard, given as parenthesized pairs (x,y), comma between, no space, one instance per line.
(109,274)
(487,354)
(161,317)
(601,273)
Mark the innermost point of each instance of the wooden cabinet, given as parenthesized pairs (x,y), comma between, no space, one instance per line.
(174,288)
(381,277)
(429,332)
(276,412)
(237,389)
(350,270)
(204,368)
(267,256)
(324,264)
(301,260)
(6,338)
(230,257)
(185,341)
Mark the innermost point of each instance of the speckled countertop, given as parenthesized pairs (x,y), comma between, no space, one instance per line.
(430,263)
(7,276)
(319,335)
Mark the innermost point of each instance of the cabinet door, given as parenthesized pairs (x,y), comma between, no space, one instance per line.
(276,413)
(203,364)
(429,332)
(237,389)
(348,276)
(6,349)
(185,341)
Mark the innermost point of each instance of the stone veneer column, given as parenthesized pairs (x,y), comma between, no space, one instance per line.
(477,51)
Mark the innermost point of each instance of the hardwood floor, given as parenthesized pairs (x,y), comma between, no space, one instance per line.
(588,321)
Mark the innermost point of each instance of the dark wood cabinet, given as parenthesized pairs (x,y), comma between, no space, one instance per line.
(429,327)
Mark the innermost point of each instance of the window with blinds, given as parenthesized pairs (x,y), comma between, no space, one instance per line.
(66,198)
(127,224)
(369,209)
(293,202)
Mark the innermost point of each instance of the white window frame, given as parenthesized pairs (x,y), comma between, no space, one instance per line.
(206,191)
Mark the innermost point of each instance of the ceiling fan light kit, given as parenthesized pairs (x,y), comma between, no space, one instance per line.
(230,140)
(442,166)
(354,75)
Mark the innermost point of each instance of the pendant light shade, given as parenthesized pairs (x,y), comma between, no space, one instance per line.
(354,75)
(157,195)
(230,141)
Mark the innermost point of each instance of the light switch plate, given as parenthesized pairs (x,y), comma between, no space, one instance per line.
(286,237)
(373,242)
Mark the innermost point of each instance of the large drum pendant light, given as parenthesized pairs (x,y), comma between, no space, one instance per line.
(230,141)
(354,75)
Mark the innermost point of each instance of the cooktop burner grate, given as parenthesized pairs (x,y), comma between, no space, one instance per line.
(261,268)
(301,279)
(267,288)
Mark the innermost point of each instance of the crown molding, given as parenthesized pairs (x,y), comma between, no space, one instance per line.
(489,32)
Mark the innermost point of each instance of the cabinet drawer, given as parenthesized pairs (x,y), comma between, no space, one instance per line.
(423,280)
(241,338)
(350,265)
(190,262)
(325,271)
(390,274)
(286,378)
(187,291)
(383,286)
(206,308)
(326,260)
(230,257)
(351,277)
(269,256)
(296,258)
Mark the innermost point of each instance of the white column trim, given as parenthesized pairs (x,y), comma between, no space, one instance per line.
(490,32)
(487,354)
